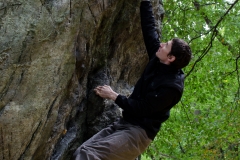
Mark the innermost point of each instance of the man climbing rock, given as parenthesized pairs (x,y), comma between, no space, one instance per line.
(159,88)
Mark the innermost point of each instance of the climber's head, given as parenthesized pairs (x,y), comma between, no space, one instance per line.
(175,52)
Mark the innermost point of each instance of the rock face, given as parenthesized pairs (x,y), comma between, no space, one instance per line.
(53,53)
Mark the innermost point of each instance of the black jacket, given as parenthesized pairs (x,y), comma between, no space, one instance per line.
(159,88)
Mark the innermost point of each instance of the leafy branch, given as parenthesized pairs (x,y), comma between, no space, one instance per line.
(215,33)
(221,39)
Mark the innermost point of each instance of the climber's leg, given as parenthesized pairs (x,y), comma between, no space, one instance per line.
(120,141)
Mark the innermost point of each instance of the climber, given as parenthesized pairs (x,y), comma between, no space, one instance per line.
(159,88)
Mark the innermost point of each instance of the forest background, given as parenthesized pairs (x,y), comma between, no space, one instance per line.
(205,124)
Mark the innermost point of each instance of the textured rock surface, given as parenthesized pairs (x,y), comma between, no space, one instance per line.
(52,54)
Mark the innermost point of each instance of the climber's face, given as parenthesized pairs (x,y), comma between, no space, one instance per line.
(163,53)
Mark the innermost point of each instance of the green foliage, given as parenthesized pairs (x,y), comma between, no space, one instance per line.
(206,123)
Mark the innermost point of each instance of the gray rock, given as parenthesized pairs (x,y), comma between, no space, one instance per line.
(53,53)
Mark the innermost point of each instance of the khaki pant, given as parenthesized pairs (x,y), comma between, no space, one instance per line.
(119,141)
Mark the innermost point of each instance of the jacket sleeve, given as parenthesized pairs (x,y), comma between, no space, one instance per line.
(150,36)
(153,102)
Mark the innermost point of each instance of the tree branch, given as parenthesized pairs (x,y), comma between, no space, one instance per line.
(214,33)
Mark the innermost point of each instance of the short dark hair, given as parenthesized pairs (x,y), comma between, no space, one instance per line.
(182,52)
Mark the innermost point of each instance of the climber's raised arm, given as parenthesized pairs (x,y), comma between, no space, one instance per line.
(150,35)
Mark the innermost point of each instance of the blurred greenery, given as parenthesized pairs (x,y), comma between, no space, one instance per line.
(205,124)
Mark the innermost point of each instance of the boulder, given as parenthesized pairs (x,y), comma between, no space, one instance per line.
(53,53)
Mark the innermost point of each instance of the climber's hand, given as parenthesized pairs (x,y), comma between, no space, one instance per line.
(106,92)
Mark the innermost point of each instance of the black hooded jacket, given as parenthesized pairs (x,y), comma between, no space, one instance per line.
(159,88)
